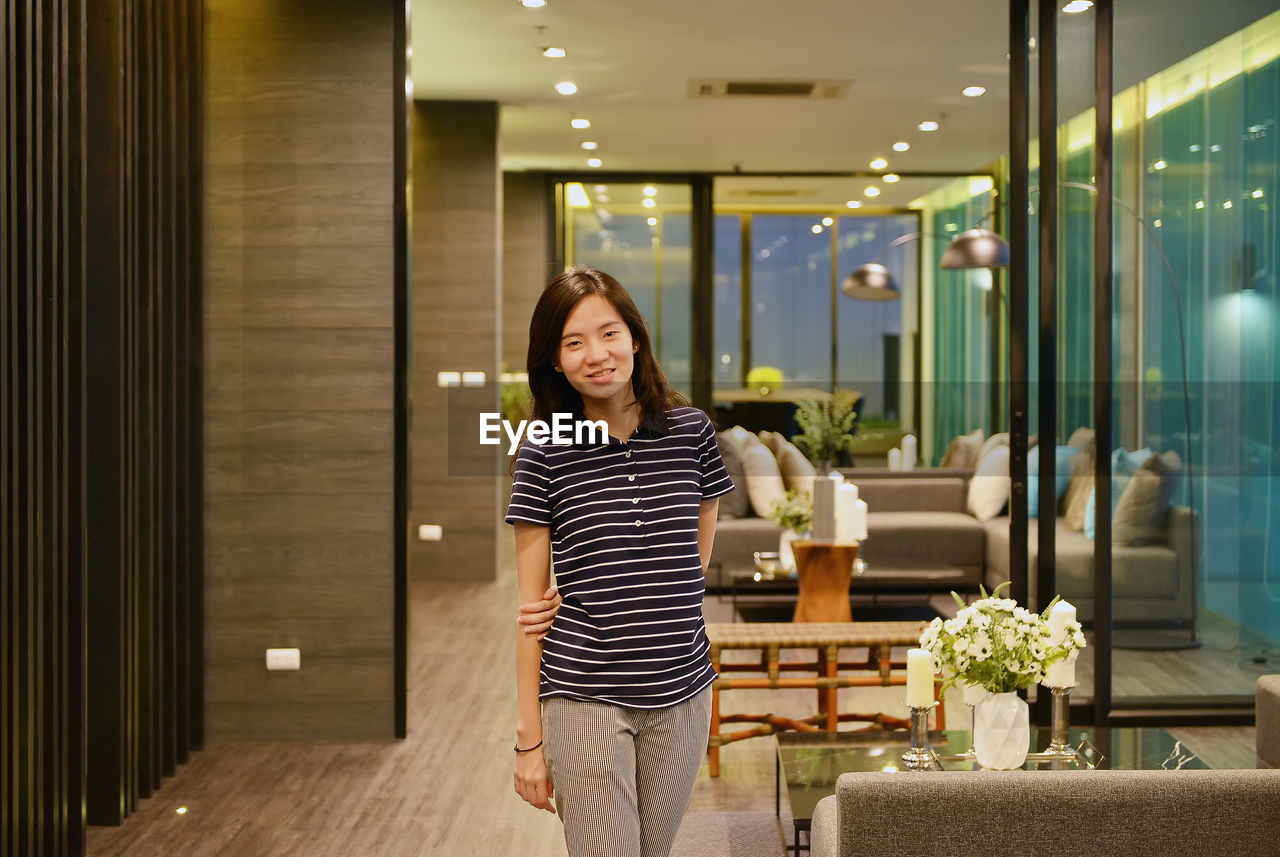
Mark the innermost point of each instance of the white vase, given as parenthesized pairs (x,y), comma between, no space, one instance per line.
(786,556)
(1001,731)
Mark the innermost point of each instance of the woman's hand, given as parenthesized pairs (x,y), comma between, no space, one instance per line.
(532,782)
(535,618)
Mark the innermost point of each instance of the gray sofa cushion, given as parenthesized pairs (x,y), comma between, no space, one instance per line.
(912,495)
(1228,813)
(950,537)
(736,540)
(1149,582)
(1268,721)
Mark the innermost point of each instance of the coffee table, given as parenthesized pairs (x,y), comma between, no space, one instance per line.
(809,763)
(873,584)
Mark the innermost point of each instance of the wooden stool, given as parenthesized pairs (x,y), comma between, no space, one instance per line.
(824,570)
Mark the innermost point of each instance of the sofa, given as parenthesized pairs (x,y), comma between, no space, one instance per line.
(1267,706)
(956,515)
(1226,813)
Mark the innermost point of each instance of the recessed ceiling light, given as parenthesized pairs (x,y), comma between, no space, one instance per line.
(1227,204)
(602,197)
(816,228)
(1158,223)
(901,146)
(1194,147)
(827,221)
(594,162)
(566,87)
(600,188)
(973,91)
(871,191)
(1199,203)
(653,221)
(1257,194)
(878,164)
(533,4)
(891,177)
(553,52)
(854,203)
(1160,164)
(648,203)
(590,145)
(650,190)
(580,123)
(1077,6)
(928,125)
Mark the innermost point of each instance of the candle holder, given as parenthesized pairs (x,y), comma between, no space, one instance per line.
(1060,722)
(920,757)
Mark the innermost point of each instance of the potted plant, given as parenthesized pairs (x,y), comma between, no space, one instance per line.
(827,430)
(1002,648)
(794,513)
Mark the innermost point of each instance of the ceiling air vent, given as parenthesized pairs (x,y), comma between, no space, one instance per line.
(768,88)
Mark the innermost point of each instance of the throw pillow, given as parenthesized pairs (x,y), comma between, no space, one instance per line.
(734,504)
(1138,511)
(963,451)
(1079,487)
(1133,522)
(989,488)
(1062,467)
(1084,438)
(1124,465)
(764,479)
(797,471)
(989,444)
(773,440)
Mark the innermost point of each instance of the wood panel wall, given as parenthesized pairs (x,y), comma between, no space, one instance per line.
(526,263)
(300,206)
(100,382)
(457,326)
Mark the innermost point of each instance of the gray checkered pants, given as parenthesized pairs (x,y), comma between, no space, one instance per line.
(623,776)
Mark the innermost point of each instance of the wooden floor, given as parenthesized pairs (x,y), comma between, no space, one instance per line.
(447,788)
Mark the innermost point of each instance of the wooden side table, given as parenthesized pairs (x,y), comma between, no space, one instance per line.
(824,570)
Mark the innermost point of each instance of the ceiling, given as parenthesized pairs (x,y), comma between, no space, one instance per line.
(903,62)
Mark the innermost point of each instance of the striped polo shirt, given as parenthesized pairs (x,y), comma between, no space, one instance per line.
(624,547)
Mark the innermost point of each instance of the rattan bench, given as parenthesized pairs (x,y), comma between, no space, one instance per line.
(827,673)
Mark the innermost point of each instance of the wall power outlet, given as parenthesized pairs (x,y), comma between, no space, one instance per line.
(284,659)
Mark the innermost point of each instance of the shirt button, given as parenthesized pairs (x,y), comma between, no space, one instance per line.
(635,499)
(626,454)
(631,477)
(637,523)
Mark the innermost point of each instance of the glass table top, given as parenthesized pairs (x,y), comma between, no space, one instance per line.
(811,762)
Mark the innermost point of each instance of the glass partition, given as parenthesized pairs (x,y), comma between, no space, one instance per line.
(640,232)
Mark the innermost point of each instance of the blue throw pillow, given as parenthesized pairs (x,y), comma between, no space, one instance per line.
(1123,465)
(1062,476)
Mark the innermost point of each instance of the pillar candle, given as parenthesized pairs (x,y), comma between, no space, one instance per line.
(919,677)
(909,452)
(846,511)
(824,508)
(1061,674)
(1062,615)
(860,521)
(895,459)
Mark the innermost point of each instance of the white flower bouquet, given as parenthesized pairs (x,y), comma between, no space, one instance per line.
(998,645)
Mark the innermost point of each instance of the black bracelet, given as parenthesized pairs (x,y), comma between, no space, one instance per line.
(528,749)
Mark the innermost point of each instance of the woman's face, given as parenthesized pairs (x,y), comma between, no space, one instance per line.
(597,353)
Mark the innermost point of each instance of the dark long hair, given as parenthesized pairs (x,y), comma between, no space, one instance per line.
(552,393)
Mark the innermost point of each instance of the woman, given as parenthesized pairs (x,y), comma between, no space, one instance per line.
(623,675)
